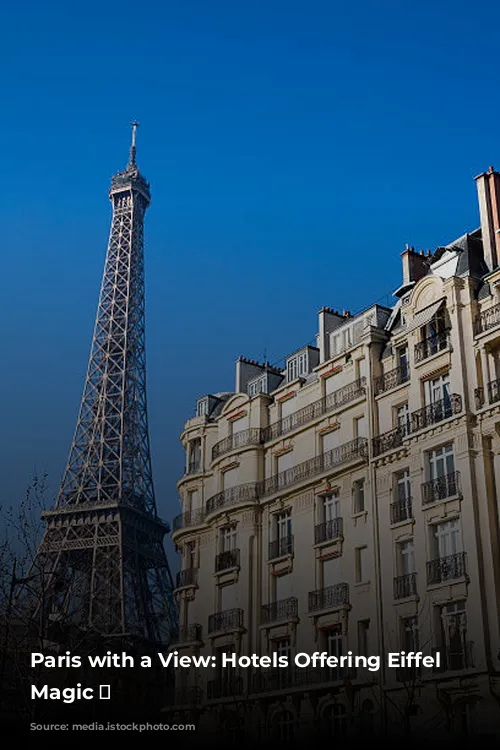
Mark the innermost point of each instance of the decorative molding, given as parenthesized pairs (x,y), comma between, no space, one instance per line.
(332,371)
(228,467)
(284,449)
(286,396)
(441,370)
(238,415)
(329,428)
(328,489)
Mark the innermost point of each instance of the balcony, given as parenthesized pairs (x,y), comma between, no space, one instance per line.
(329,597)
(227,560)
(229,686)
(447,568)
(191,518)
(329,531)
(283,610)
(436,412)
(277,680)
(243,493)
(309,413)
(487,319)
(188,696)
(252,436)
(401,510)
(189,634)
(441,488)
(355,449)
(281,547)
(434,344)
(186,577)
(405,586)
(392,379)
(226,621)
(390,440)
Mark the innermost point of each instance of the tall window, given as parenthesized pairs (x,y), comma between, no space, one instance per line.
(194,455)
(190,555)
(302,363)
(402,416)
(283,525)
(202,408)
(361,564)
(335,719)
(409,634)
(407,557)
(292,369)
(403,485)
(333,642)
(330,508)
(402,360)
(441,462)
(360,427)
(448,538)
(454,636)
(363,637)
(283,725)
(358,492)
(228,538)
(282,647)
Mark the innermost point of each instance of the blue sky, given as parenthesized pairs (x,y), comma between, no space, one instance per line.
(292,150)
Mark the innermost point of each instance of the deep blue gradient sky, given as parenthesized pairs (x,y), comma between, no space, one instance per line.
(292,150)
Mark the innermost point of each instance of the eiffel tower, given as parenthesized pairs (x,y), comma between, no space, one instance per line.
(102,558)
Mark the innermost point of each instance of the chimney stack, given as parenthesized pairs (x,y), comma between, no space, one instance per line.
(488,193)
(415,265)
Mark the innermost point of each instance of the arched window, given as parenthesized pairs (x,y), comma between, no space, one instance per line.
(283,725)
(335,718)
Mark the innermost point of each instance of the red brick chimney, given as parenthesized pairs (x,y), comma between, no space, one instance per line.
(488,192)
(415,265)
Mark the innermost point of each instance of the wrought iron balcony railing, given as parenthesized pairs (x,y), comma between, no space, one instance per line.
(487,319)
(401,510)
(432,345)
(390,440)
(188,696)
(456,659)
(436,412)
(355,449)
(227,686)
(391,379)
(447,568)
(328,531)
(418,420)
(187,577)
(494,391)
(227,620)
(227,560)
(191,518)
(242,493)
(252,436)
(329,597)
(312,411)
(441,488)
(281,547)
(189,633)
(405,586)
(285,609)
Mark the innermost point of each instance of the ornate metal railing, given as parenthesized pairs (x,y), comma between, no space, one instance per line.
(329,597)
(285,609)
(436,412)
(187,577)
(487,319)
(357,448)
(391,379)
(390,440)
(328,531)
(191,518)
(188,696)
(432,345)
(441,488)
(447,568)
(228,686)
(494,391)
(312,411)
(226,560)
(242,493)
(228,619)
(252,436)
(401,510)
(405,586)
(189,633)
(281,547)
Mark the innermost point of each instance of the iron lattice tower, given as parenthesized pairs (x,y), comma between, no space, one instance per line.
(102,555)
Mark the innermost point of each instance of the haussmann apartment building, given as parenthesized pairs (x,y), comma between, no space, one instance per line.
(350,502)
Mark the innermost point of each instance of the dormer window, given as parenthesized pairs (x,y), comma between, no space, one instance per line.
(202,407)
(300,364)
(257,386)
(292,369)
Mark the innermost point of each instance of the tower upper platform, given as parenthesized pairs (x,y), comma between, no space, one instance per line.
(131,178)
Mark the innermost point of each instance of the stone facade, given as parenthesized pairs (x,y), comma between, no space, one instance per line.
(350,502)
